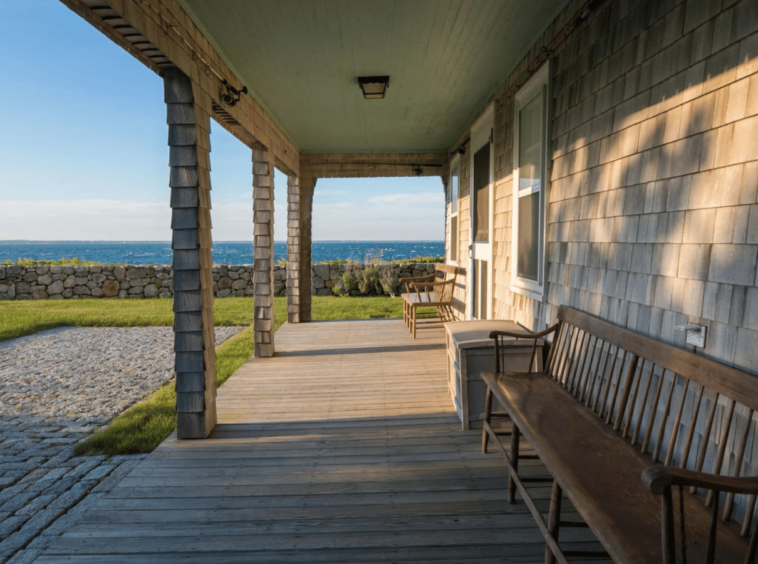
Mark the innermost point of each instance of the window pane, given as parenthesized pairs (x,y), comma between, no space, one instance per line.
(454,191)
(530,144)
(528,236)
(482,193)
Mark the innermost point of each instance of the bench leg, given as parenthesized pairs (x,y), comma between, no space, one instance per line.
(515,440)
(487,419)
(554,520)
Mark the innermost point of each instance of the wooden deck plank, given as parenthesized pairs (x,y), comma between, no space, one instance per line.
(344,447)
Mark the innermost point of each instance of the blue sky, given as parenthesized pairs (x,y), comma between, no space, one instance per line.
(83,151)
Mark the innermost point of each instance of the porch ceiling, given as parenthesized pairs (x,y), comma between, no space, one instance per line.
(300,59)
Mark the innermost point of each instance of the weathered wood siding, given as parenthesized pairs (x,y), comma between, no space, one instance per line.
(189,143)
(299,275)
(652,215)
(263,250)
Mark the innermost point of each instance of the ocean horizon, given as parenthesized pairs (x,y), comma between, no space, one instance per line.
(224,252)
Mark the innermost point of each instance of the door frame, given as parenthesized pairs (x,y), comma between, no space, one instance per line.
(482,131)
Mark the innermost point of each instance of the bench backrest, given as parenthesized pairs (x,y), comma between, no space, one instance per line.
(683,409)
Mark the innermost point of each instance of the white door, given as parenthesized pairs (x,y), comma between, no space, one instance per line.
(479,281)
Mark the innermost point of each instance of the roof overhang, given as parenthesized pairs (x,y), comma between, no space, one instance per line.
(301,61)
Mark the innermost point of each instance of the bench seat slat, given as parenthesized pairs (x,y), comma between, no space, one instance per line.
(431,298)
(600,473)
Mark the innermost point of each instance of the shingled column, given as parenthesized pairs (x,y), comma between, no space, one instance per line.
(299,211)
(194,339)
(263,254)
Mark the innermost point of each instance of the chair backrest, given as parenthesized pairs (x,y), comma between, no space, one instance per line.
(679,407)
(448,271)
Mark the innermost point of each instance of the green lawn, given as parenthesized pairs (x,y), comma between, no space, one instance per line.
(18,318)
(144,426)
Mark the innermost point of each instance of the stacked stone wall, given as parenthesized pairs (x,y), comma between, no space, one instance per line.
(59,282)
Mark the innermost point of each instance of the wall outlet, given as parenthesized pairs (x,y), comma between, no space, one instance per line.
(695,334)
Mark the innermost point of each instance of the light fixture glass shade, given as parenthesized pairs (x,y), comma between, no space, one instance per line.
(374,87)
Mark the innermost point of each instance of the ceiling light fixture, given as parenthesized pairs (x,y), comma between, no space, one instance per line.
(374,87)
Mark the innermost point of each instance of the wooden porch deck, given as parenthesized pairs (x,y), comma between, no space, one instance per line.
(343,448)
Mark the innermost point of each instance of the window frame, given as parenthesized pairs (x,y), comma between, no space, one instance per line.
(538,83)
(455,165)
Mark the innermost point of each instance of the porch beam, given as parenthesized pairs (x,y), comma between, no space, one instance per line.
(364,165)
(299,213)
(263,250)
(161,34)
(189,180)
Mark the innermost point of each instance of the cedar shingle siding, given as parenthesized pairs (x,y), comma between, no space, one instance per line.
(652,218)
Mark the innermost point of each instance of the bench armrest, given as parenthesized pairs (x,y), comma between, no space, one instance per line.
(525,334)
(656,478)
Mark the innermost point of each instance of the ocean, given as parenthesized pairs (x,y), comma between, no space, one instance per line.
(224,252)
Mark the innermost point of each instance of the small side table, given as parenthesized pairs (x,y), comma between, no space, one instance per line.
(470,352)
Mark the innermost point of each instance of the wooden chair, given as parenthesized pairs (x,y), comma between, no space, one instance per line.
(431,291)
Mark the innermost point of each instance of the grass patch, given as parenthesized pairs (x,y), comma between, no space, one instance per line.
(144,426)
(19,318)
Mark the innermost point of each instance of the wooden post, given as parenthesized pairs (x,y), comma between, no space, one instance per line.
(263,254)
(194,338)
(299,211)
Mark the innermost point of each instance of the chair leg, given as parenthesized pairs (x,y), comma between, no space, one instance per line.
(413,321)
(487,419)
(554,519)
(405,313)
(515,440)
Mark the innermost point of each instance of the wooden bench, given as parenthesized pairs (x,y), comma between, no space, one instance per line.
(633,432)
(434,290)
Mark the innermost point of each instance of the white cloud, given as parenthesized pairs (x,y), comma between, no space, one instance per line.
(421,199)
(85,219)
(121,220)
(414,216)
(329,193)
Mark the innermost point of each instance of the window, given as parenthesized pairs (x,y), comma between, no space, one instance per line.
(454,188)
(529,185)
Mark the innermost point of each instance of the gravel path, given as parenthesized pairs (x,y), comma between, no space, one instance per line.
(57,387)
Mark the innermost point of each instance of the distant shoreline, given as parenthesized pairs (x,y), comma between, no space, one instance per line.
(121,242)
(223,252)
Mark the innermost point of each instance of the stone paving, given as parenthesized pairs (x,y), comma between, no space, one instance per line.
(56,388)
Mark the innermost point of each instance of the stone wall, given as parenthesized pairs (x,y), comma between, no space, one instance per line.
(128,281)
